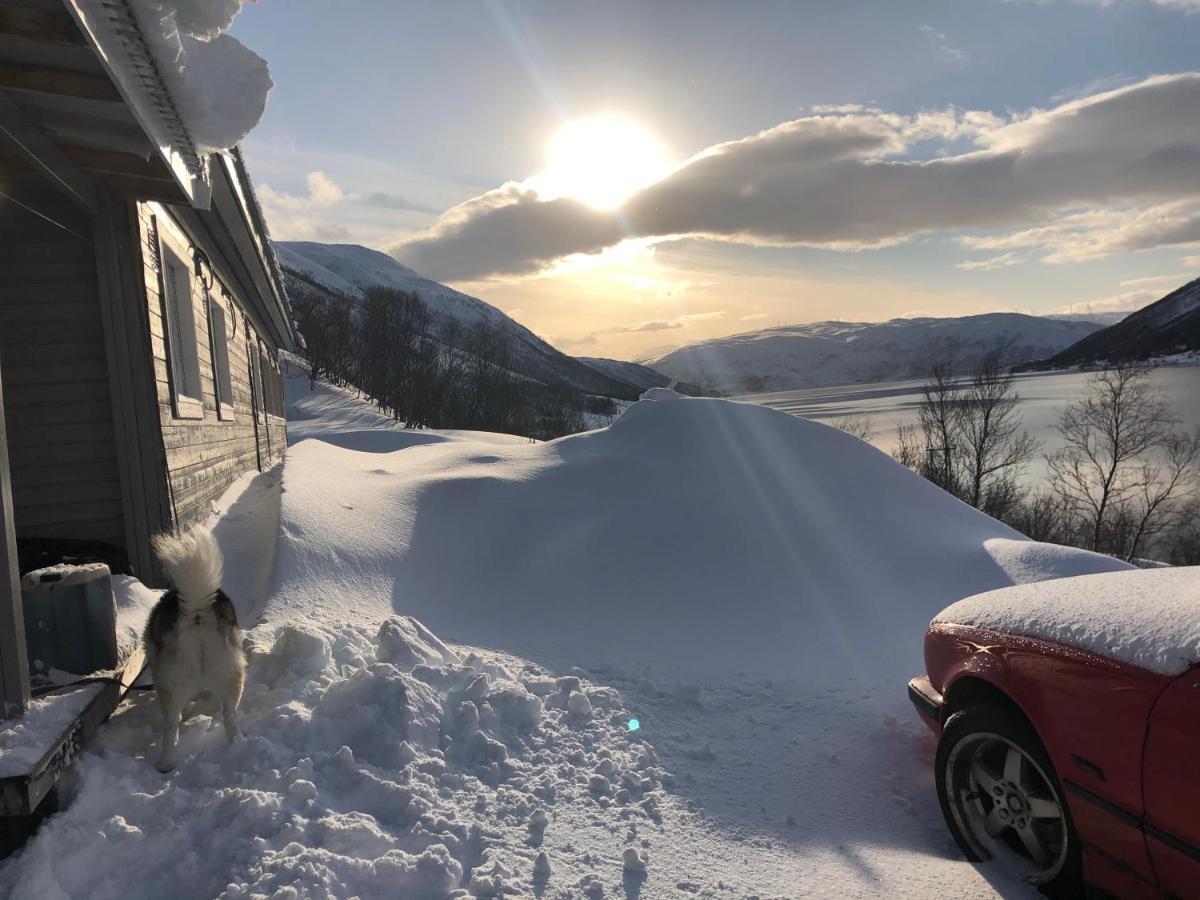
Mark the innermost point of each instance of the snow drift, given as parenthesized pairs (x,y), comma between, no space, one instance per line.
(699,536)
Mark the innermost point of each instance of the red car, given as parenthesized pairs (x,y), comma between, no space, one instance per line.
(1068,723)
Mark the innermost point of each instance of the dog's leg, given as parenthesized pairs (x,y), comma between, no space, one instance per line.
(172,709)
(229,705)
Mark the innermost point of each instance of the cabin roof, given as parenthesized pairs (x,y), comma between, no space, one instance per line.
(82,100)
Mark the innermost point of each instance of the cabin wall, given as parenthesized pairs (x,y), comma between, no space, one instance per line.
(62,447)
(205,455)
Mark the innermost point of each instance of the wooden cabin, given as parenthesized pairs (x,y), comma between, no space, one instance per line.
(141,306)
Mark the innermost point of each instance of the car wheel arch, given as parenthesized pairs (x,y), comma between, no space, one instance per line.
(970,689)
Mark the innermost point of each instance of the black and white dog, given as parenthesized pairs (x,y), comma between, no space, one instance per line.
(192,639)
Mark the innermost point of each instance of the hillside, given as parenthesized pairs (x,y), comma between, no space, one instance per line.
(830,353)
(348,269)
(1170,325)
(642,376)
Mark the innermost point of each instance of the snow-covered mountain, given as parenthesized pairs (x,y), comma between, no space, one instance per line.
(1170,325)
(640,375)
(828,353)
(348,269)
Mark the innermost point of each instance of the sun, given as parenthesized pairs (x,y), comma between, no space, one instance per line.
(602,161)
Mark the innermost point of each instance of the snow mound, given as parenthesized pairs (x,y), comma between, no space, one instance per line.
(693,535)
(1149,619)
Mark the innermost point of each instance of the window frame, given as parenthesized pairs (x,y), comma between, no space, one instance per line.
(219,358)
(181,335)
(256,377)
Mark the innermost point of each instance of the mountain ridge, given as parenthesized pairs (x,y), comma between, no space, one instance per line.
(822,354)
(1168,325)
(349,269)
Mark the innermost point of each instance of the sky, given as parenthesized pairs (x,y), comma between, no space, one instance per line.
(630,176)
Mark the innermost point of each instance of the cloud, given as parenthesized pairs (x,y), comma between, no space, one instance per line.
(1192,262)
(1186,6)
(1126,302)
(838,180)
(322,192)
(565,343)
(667,324)
(1102,232)
(1003,261)
(942,43)
(331,231)
(385,200)
(1167,281)
(754,317)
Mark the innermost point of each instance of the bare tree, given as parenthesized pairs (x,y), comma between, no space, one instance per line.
(1039,516)
(909,450)
(1106,434)
(991,447)
(1184,545)
(862,427)
(939,418)
(1166,485)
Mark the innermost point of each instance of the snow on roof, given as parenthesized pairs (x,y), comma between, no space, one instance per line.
(219,85)
(691,536)
(1147,618)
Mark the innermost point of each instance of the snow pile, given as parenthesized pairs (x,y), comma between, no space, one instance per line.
(1146,618)
(419,776)
(134,602)
(691,536)
(26,740)
(218,84)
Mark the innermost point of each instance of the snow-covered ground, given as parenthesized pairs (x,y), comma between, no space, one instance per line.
(750,587)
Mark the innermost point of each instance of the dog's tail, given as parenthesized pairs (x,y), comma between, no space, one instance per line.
(192,563)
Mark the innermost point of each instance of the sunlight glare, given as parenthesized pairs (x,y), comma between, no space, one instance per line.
(602,161)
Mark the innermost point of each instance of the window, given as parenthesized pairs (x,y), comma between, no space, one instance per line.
(272,385)
(256,381)
(219,338)
(181,337)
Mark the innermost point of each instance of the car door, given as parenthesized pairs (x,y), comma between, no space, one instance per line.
(1171,780)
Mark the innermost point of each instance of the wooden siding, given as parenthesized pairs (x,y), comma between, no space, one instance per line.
(204,455)
(62,448)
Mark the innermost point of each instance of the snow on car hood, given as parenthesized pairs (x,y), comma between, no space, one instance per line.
(1148,618)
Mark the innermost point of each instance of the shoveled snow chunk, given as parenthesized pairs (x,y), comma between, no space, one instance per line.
(1148,618)
(406,643)
(579,706)
(632,862)
(516,707)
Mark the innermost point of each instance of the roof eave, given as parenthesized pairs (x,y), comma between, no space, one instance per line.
(113,32)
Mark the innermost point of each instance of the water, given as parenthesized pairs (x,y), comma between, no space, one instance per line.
(891,404)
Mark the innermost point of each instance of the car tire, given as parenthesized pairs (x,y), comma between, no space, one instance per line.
(1023,820)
